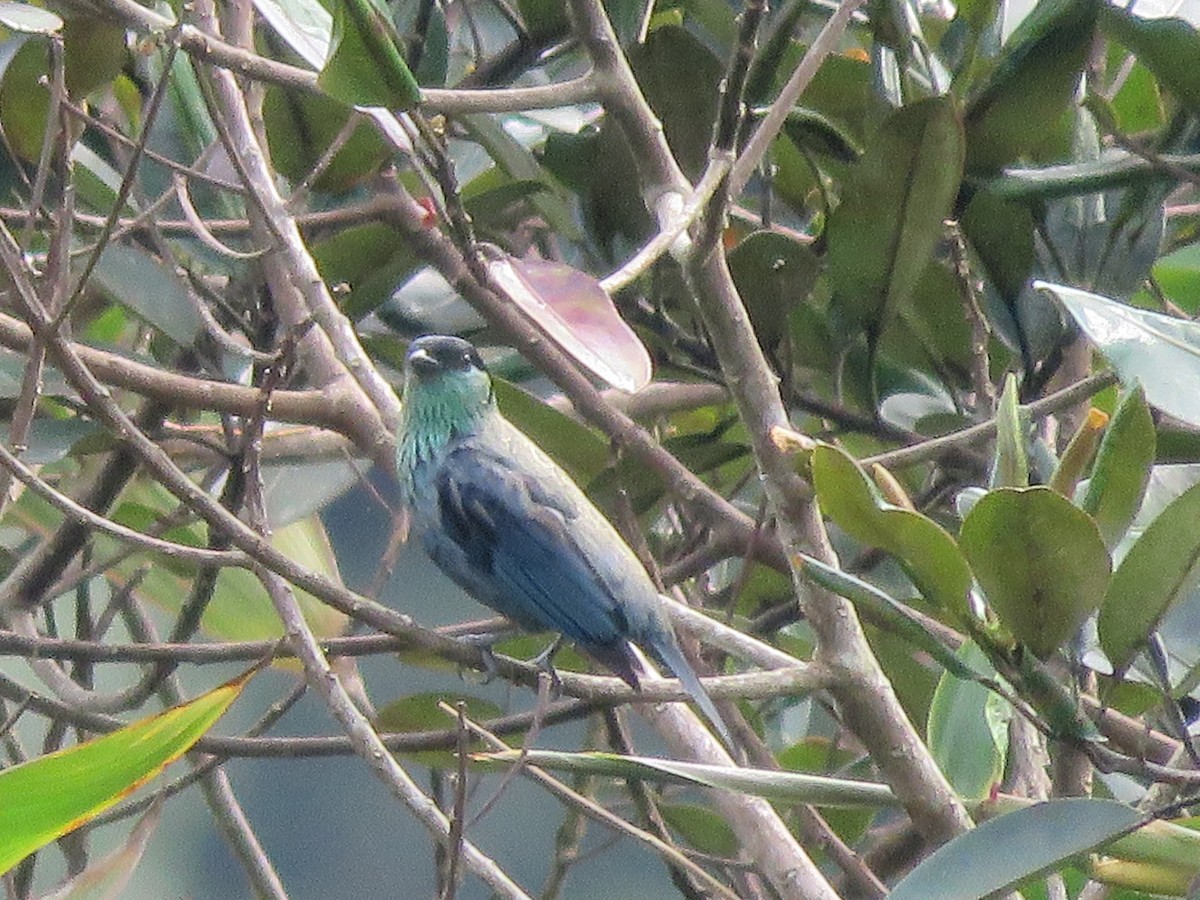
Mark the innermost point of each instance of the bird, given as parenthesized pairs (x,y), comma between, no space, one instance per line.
(513,530)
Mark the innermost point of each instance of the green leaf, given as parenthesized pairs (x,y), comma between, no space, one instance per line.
(520,164)
(885,612)
(240,608)
(701,828)
(1001,232)
(416,713)
(47,797)
(301,126)
(928,554)
(1122,470)
(143,283)
(967,730)
(811,131)
(372,260)
(1178,274)
(1003,852)
(543,18)
(94,52)
(1079,453)
(1114,169)
(773,274)
(365,67)
(883,234)
(24,100)
(1040,561)
(1167,47)
(97,182)
(574,446)
(1033,86)
(1155,573)
(1138,105)
(796,787)
(680,75)
(1011,466)
(1161,352)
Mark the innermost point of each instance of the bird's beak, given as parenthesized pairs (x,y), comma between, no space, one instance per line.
(422,363)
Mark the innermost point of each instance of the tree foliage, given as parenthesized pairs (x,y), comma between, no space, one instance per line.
(869,324)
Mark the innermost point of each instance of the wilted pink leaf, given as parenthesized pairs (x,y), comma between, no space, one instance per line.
(575,311)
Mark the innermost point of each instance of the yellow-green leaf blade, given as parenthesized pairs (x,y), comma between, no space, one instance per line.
(1040,560)
(47,797)
(928,554)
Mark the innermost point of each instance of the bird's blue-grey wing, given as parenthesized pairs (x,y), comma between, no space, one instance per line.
(513,534)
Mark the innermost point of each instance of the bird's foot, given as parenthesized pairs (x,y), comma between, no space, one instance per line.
(545,662)
(491,668)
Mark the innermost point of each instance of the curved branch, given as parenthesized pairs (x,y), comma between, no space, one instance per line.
(211,49)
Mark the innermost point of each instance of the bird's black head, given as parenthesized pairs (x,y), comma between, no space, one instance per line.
(435,354)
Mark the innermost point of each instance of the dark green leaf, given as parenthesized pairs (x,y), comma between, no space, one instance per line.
(1002,234)
(927,553)
(1032,86)
(1155,573)
(773,275)
(301,126)
(1122,470)
(94,52)
(543,18)
(1040,561)
(365,67)
(1167,47)
(701,828)
(1005,851)
(884,232)
(372,260)
(519,163)
(679,76)
(416,713)
(811,131)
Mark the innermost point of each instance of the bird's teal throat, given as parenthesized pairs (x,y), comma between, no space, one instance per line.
(431,418)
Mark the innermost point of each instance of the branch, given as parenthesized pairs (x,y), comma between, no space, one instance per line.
(862,691)
(327,410)
(211,49)
(298,290)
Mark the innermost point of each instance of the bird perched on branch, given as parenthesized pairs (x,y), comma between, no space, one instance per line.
(514,531)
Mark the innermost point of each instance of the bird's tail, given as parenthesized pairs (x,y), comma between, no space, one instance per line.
(667,649)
